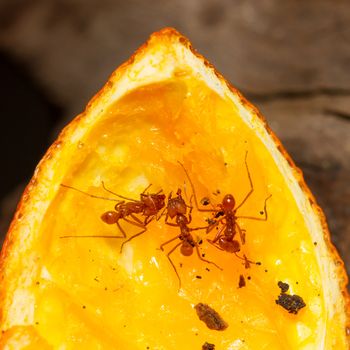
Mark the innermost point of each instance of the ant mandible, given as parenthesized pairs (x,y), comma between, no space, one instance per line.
(148,206)
(177,208)
(226,215)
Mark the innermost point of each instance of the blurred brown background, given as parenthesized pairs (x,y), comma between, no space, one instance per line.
(290,58)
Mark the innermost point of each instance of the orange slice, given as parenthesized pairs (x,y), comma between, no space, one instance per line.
(164,108)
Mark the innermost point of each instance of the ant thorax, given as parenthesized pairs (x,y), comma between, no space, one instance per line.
(182,220)
(152,203)
(130,207)
(230,229)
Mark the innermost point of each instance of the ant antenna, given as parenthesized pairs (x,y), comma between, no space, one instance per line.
(118,195)
(88,194)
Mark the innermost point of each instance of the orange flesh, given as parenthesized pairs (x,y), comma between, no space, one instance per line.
(91,296)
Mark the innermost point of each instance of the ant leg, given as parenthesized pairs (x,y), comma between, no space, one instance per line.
(116,194)
(250,181)
(241,233)
(161,214)
(205,260)
(119,204)
(136,219)
(99,236)
(167,242)
(121,230)
(193,190)
(190,206)
(215,245)
(210,227)
(190,212)
(132,237)
(91,236)
(90,195)
(146,188)
(169,223)
(135,223)
(172,264)
(148,219)
(197,228)
(254,218)
(189,218)
(217,236)
(215,223)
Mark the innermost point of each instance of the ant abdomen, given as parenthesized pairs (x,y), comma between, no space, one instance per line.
(110,217)
(230,246)
(186,249)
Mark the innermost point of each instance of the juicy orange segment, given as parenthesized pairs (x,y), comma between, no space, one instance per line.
(162,108)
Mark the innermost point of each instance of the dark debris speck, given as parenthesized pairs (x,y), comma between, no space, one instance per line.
(208,346)
(219,213)
(210,317)
(283,286)
(292,303)
(241,282)
(205,201)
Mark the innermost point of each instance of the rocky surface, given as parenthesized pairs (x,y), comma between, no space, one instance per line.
(290,58)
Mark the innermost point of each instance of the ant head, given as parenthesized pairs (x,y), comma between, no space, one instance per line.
(228,203)
(186,248)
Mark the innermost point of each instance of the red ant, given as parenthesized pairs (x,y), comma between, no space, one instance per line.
(227,209)
(177,208)
(148,206)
